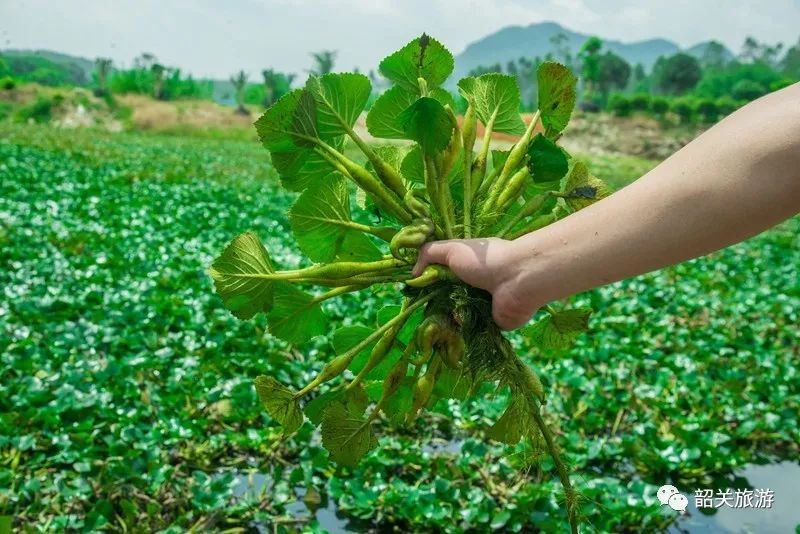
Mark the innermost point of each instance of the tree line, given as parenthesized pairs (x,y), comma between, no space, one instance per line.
(687,86)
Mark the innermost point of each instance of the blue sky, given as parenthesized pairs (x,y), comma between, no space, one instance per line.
(215,38)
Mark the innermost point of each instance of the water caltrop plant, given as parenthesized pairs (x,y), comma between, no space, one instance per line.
(433,181)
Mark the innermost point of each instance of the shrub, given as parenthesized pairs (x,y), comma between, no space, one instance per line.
(659,106)
(41,110)
(707,109)
(683,108)
(640,102)
(7,83)
(726,105)
(620,105)
(748,90)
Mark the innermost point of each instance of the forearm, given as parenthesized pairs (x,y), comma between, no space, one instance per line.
(734,181)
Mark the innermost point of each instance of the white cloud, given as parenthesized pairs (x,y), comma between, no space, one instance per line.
(207,37)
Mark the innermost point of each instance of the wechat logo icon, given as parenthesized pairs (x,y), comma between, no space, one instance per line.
(670,496)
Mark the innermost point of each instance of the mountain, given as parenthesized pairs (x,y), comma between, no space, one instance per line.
(709,50)
(86,66)
(514,42)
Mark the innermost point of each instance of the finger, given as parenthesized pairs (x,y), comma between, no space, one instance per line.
(506,321)
(435,252)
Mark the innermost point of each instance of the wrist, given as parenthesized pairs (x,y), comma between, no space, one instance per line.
(538,273)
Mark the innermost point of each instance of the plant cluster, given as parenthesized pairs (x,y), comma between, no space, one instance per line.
(441,340)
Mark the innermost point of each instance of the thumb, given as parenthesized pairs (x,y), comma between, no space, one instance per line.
(435,252)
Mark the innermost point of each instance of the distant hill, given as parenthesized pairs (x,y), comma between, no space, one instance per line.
(514,42)
(700,50)
(80,66)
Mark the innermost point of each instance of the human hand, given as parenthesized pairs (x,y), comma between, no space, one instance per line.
(489,264)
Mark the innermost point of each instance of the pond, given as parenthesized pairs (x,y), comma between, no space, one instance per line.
(782,478)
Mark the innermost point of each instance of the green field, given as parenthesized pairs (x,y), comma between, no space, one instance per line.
(126,398)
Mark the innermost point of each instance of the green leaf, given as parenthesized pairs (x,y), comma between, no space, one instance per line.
(560,329)
(296,316)
(399,404)
(556,96)
(347,337)
(355,400)
(383,119)
(303,167)
(423,57)
(315,408)
(233,273)
(428,123)
(347,437)
(274,127)
(279,402)
(320,221)
(340,99)
(582,189)
(495,95)
(546,161)
(357,247)
(452,384)
(387,313)
(413,166)
(513,424)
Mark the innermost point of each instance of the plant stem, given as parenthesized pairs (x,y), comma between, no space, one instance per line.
(433,186)
(367,341)
(484,153)
(376,358)
(529,208)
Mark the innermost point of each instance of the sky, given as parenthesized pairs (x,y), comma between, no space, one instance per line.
(214,38)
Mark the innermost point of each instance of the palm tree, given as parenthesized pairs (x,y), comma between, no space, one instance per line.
(276,84)
(239,81)
(102,67)
(323,62)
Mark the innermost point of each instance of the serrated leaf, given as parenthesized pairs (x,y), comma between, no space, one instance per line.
(495,95)
(340,98)
(357,247)
(428,123)
(556,96)
(383,119)
(348,438)
(303,167)
(582,189)
(315,408)
(274,127)
(320,220)
(413,167)
(354,399)
(423,57)
(560,329)
(235,274)
(279,402)
(546,161)
(512,425)
(296,316)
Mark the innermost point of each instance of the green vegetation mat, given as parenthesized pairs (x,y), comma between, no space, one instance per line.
(126,394)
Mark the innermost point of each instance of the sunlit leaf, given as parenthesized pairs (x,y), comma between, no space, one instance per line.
(582,189)
(560,329)
(235,273)
(423,57)
(296,316)
(556,96)
(495,96)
